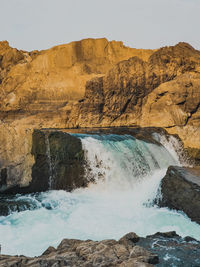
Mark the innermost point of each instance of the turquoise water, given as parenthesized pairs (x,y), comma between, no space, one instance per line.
(127,172)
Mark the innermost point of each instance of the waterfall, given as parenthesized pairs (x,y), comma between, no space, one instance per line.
(125,175)
(48,155)
(122,161)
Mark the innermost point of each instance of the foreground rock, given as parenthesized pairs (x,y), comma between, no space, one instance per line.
(172,249)
(181,191)
(72,252)
(129,251)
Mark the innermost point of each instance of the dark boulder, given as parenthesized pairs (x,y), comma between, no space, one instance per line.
(59,164)
(180,190)
(10,204)
(59,161)
(172,249)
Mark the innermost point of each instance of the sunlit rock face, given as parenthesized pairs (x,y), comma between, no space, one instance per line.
(94,83)
(162,92)
(35,81)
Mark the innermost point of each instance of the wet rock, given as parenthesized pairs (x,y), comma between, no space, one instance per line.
(59,164)
(181,191)
(72,252)
(172,249)
(129,239)
(59,161)
(10,204)
(3,177)
(170,234)
(160,249)
(189,239)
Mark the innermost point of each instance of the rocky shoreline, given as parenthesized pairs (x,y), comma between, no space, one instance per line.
(130,251)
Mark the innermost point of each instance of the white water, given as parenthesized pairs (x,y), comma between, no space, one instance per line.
(127,174)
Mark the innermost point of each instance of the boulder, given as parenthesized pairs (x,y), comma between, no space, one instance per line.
(59,164)
(10,204)
(180,190)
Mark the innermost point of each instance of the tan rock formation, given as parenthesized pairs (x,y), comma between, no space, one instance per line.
(95,83)
(40,81)
(175,105)
(162,92)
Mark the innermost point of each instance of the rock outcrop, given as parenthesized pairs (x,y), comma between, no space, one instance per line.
(94,83)
(164,249)
(181,191)
(162,92)
(72,252)
(38,81)
(172,249)
(59,164)
(57,160)
(39,88)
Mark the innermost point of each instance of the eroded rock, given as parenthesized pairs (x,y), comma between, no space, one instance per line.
(181,191)
(72,252)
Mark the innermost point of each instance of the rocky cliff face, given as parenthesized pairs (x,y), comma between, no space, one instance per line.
(49,79)
(38,90)
(163,91)
(94,83)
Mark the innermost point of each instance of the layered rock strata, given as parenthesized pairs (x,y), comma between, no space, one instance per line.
(94,83)
(180,190)
(162,92)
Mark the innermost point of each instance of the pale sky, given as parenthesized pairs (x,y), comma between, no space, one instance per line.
(40,24)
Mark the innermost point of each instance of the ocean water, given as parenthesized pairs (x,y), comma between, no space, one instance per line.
(127,174)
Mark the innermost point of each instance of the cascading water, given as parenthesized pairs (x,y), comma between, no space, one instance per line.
(48,155)
(127,174)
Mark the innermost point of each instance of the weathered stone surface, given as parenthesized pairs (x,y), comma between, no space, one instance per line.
(181,191)
(163,91)
(38,90)
(38,81)
(59,164)
(172,249)
(124,87)
(72,252)
(56,159)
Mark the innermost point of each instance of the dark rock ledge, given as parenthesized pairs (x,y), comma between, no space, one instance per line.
(180,190)
(73,253)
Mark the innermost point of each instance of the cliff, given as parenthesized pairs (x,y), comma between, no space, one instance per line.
(48,79)
(163,92)
(94,83)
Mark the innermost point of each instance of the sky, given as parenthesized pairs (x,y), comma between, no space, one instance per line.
(41,24)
